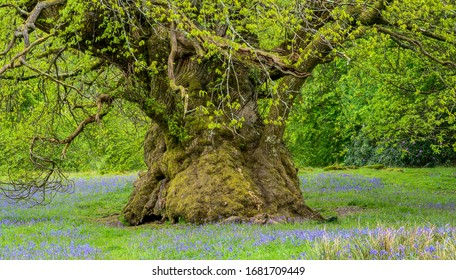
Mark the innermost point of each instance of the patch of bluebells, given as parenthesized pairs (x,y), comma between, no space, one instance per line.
(81,187)
(78,187)
(239,241)
(57,240)
(327,182)
(28,222)
(101,184)
(4,202)
(440,206)
(195,242)
(49,251)
(60,244)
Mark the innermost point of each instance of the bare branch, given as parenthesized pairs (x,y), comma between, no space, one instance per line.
(38,188)
(103,99)
(41,185)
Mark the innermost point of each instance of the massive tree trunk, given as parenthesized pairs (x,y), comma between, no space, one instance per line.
(232,163)
(235,173)
(214,178)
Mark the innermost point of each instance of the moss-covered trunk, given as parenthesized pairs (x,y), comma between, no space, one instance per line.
(230,163)
(210,179)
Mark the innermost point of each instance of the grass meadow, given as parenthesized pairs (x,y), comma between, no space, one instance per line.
(381,214)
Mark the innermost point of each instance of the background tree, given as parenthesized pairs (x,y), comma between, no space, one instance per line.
(216,78)
(386,106)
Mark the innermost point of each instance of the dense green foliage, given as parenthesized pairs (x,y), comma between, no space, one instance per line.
(386,105)
(386,98)
(360,112)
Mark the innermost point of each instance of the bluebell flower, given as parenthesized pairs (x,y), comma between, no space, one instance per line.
(373,252)
(431,249)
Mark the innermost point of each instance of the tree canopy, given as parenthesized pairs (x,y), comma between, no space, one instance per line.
(217,79)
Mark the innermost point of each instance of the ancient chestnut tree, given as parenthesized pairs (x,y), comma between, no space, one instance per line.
(216,78)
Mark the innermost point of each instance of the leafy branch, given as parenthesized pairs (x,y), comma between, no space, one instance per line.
(414,45)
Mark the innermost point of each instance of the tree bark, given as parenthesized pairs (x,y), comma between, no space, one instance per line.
(211,180)
(242,173)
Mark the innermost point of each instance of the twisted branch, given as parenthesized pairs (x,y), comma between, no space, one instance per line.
(104,100)
(29,25)
(18,60)
(414,45)
(50,180)
(171,76)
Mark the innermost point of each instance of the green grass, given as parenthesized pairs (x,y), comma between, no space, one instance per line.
(410,196)
(403,214)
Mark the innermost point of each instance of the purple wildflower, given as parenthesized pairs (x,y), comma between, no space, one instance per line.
(431,249)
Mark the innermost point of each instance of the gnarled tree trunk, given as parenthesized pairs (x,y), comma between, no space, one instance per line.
(210,180)
(241,174)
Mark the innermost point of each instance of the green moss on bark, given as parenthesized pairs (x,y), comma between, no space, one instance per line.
(216,186)
(209,181)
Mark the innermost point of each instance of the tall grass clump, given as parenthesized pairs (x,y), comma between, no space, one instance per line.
(418,243)
(293,242)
